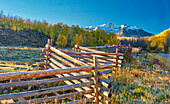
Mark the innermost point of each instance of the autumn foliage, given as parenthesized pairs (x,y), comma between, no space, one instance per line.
(160,42)
(61,40)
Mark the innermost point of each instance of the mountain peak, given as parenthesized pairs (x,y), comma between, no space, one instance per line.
(121,30)
(103,25)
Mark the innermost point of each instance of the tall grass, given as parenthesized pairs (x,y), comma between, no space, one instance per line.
(141,83)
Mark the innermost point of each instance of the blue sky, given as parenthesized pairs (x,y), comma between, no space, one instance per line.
(151,15)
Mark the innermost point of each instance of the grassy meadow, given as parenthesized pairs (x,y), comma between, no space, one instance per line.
(144,77)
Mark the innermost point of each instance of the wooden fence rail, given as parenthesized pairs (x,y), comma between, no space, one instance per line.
(79,71)
(31,74)
(104,60)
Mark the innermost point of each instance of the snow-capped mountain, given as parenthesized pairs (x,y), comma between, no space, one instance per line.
(107,27)
(121,30)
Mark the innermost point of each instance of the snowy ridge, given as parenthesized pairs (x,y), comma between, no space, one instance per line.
(120,30)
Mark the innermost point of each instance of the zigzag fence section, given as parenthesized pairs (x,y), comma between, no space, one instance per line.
(79,76)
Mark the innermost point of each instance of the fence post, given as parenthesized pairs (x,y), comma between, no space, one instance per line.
(120,47)
(77,49)
(116,61)
(47,58)
(129,48)
(96,80)
(116,57)
(51,42)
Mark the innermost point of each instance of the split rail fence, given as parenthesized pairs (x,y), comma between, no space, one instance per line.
(79,76)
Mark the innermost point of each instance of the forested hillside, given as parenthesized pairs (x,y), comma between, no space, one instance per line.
(20,31)
(160,42)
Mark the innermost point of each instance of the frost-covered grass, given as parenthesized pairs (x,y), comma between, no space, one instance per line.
(140,82)
(26,56)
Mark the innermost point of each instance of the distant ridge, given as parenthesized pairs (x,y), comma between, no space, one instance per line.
(121,30)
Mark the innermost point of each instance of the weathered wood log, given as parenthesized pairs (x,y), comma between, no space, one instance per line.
(62,60)
(43,91)
(88,49)
(121,57)
(31,74)
(97,61)
(89,53)
(105,84)
(88,63)
(101,60)
(117,57)
(44,81)
(15,80)
(107,80)
(85,80)
(40,64)
(71,83)
(51,42)
(47,52)
(96,80)
(105,92)
(107,71)
(76,81)
(92,50)
(105,100)
(113,60)
(56,62)
(102,47)
(105,66)
(53,66)
(72,52)
(81,101)
(105,57)
(67,56)
(104,75)
(55,98)
(42,68)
